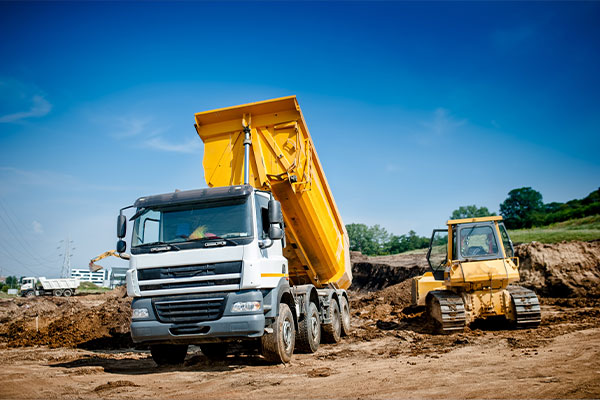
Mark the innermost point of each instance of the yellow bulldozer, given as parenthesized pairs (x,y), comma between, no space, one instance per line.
(472,268)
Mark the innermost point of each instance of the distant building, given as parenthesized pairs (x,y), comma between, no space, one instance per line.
(100,278)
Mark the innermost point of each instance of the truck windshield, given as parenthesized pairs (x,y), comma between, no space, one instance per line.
(194,224)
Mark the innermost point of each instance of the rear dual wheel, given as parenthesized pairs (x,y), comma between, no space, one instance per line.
(168,354)
(309,331)
(332,332)
(214,351)
(345,310)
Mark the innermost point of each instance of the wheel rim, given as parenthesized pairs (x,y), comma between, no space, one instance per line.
(287,334)
(314,326)
(346,315)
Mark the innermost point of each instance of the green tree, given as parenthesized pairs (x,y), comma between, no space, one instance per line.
(522,208)
(470,212)
(12,282)
(368,240)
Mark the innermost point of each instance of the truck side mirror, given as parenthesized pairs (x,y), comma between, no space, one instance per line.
(275,216)
(121,226)
(121,246)
(275,232)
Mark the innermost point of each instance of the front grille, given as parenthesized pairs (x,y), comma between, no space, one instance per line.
(189,309)
(189,271)
(179,285)
(191,276)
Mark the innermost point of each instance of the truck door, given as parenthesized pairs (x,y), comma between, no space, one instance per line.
(273,264)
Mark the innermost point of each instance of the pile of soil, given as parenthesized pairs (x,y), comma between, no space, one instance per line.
(376,273)
(380,300)
(92,322)
(566,269)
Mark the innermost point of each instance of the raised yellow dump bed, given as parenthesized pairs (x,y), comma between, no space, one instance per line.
(283,160)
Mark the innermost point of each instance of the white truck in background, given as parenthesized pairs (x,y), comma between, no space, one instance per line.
(41,286)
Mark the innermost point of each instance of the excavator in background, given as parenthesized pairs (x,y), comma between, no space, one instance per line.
(472,268)
(95,267)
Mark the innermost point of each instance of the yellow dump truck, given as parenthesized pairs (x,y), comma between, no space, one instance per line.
(261,255)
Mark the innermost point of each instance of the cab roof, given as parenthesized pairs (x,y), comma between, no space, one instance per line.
(471,220)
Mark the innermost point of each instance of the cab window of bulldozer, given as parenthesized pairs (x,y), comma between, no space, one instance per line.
(476,241)
(438,251)
(508,247)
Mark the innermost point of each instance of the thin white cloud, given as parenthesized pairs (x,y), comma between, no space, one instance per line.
(12,178)
(128,127)
(157,143)
(39,107)
(37,227)
(441,125)
(443,122)
(35,177)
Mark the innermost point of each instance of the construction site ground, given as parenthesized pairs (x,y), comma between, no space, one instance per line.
(80,347)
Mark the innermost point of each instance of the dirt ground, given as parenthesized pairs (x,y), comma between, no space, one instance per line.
(80,349)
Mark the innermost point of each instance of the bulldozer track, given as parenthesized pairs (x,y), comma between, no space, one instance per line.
(450,315)
(527,307)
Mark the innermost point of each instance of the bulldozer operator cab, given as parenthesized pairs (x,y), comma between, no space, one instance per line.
(477,240)
(473,269)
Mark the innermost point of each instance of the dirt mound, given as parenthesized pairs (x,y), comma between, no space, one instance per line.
(566,269)
(376,273)
(97,321)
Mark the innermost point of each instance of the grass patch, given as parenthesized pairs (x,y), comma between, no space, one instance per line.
(89,287)
(587,228)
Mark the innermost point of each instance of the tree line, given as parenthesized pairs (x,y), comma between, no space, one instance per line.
(11,282)
(523,208)
(376,241)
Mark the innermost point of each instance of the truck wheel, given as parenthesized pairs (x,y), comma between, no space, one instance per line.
(278,347)
(332,332)
(168,354)
(214,351)
(57,292)
(309,331)
(30,293)
(345,317)
(67,293)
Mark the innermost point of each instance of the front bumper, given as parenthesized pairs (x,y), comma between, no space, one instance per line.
(230,326)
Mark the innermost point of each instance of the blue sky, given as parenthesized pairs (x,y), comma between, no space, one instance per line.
(415,108)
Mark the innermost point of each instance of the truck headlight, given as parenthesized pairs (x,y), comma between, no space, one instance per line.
(246,306)
(138,313)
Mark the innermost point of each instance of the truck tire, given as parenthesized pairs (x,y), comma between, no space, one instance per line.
(29,293)
(57,292)
(345,317)
(168,354)
(332,332)
(67,293)
(308,337)
(214,351)
(278,346)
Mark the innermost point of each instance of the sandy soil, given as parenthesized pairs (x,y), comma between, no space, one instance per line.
(561,359)
(80,348)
